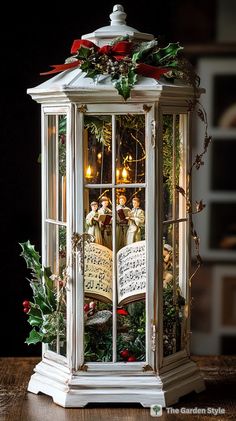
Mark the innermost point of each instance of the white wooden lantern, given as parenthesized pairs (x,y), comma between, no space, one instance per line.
(127,318)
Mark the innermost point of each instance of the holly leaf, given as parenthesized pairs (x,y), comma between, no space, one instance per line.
(143,50)
(42,302)
(123,87)
(91,73)
(34,337)
(31,257)
(35,321)
(34,311)
(166,53)
(49,293)
(83,53)
(125,83)
(62,125)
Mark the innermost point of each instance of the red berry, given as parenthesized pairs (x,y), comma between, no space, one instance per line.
(131,359)
(124,354)
(26,309)
(92,305)
(122,311)
(26,303)
(61,283)
(86,307)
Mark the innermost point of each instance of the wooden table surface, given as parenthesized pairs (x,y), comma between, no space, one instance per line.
(16,404)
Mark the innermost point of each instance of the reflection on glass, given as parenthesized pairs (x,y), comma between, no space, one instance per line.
(52,257)
(62,168)
(56,189)
(171,164)
(52,168)
(56,318)
(62,248)
(130,148)
(97,149)
(173,301)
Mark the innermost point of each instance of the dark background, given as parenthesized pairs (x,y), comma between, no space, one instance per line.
(40,37)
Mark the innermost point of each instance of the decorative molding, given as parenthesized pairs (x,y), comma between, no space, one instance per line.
(75,390)
(147,108)
(82,108)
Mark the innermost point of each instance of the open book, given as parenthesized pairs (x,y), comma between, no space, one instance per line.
(122,214)
(131,273)
(104,218)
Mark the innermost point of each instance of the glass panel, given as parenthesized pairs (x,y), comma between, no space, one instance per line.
(98,276)
(115,260)
(55,319)
(171,165)
(173,300)
(62,168)
(130,149)
(131,274)
(56,191)
(174,262)
(52,168)
(97,149)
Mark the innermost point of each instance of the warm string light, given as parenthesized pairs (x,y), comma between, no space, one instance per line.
(124,175)
(89,172)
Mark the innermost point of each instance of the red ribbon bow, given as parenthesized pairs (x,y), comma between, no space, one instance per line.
(118,51)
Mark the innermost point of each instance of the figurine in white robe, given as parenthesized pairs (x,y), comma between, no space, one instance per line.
(136,219)
(121,222)
(106,229)
(92,223)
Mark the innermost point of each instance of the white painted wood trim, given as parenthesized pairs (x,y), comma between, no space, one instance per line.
(150,226)
(69,390)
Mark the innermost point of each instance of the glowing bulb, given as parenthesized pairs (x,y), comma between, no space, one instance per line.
(124,174)
(130,157)
(89,172)
(117,174)
(99,156)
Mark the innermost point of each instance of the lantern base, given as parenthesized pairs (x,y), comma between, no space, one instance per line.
(77,390)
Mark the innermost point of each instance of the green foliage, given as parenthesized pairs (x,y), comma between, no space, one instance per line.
(169,151)
(135,326)
(125,83)
(62,145)
(47,310)
(32,258)
(172,317)
(101,128)
(34,337)
(164,56)
(143,50)
(122,69)
(131,330)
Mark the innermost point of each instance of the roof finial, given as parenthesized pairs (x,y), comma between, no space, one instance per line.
(118,15)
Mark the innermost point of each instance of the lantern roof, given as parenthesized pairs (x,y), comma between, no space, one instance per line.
(117,28)
(74,84)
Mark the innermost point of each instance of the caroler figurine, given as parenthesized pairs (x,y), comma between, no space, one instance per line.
(93,224)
